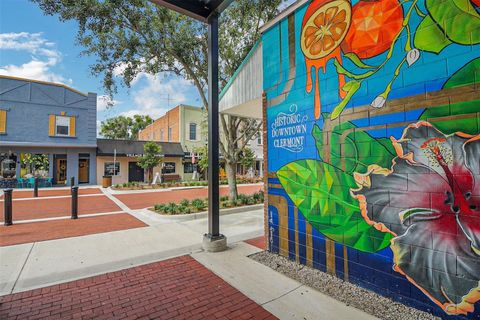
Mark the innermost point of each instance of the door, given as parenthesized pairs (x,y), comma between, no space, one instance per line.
(61,171)
(83,170)
(135,173)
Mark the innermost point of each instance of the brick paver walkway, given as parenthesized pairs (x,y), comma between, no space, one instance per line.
(179,288)
(149,199)
(257,242)
(53,193)
(59,229)
(58,207)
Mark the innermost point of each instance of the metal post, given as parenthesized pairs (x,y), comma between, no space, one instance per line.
(72,181)
(35,187)
(74,202)
(8,205)
(213,132)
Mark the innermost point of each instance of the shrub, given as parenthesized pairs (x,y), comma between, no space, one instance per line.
(171,208)
(185,203)
(198,204)
(224,198)
(125,185)
(159,207)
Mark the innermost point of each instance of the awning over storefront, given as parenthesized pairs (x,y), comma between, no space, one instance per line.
(131,148)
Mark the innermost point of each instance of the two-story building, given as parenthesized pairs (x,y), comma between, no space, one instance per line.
(182,124)
(52,123)
(187,125)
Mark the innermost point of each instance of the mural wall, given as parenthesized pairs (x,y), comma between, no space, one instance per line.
(373,117)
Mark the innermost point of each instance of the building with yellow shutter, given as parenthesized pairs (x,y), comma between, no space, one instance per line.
(47,130)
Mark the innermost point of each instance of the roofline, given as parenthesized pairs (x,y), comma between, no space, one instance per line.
(244,62)
(44,82)
(45,145)
(289,10)
(105,139)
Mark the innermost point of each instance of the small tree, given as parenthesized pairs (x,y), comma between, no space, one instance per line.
(247,158)
(151,158)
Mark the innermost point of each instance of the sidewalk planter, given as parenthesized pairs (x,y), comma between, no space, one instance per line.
(106,181)
(373,146)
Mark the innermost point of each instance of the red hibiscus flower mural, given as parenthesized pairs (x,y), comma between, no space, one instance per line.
(430,202)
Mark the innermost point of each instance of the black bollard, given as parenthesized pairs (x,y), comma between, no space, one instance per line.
(72,182)
(8,206)
(35,187)
(74,202)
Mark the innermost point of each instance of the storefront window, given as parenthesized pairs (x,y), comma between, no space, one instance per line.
(188,167)
(34,164)
(168,167)
(8,165)
(111,169)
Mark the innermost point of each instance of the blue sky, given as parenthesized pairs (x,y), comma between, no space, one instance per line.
(41,47)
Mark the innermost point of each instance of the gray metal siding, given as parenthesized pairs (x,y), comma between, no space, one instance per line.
(248,84)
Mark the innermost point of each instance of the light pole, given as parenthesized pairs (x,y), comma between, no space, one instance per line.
(207,11)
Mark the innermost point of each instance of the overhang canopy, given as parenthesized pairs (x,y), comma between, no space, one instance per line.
(197,9)
(123,148)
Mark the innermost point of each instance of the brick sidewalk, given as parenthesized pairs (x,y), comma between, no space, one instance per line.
(59,207)
(149,199)
(179,288)
(53,193)
(59,229)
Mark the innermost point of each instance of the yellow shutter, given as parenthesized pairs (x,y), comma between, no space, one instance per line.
(51,125)
(3,121)
(72,127)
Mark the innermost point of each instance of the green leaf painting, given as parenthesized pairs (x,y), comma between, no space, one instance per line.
(322,194)
(454,21)
(352,149)
(429,36)
(465,76)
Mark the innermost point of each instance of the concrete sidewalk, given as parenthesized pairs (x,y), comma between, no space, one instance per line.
(283,297)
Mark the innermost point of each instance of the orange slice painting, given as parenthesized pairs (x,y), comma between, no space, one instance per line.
(324,27)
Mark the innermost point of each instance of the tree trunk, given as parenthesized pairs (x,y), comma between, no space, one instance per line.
(232,180)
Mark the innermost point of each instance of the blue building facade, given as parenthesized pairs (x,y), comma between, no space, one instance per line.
(47,130)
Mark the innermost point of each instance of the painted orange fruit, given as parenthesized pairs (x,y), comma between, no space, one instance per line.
(375,24)
(324,28)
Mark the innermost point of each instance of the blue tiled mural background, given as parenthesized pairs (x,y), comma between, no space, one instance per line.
(374,149)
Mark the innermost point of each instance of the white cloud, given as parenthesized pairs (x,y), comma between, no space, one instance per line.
(43,53)
(159,95)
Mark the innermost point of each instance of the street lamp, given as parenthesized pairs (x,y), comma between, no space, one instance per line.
(207,11)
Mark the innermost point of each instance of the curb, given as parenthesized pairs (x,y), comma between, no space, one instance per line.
(204,214)
(119,192)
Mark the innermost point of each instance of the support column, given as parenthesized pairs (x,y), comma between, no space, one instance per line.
(50,165)
(213,241)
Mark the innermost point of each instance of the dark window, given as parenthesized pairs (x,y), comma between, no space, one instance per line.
(168,167)
(111,169)
(189,167)
(193,131)
(62,125)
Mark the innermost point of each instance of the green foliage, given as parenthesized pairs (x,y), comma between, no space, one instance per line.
(247,158)
(202,157)
(448,22)
(465,76)
(151,157)
(198,204)
(185,203)
(322,193)
(35,162)
(124,127)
